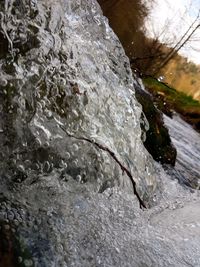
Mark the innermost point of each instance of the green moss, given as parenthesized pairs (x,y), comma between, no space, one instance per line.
(168,99)
(179,101)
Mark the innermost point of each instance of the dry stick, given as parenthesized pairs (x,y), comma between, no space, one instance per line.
(112,154)
(180,43)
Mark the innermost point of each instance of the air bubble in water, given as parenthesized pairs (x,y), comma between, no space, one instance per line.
(75,147)
(16,222)
(3,82)
(48,114)
(67,155)
(38,141)
(62,82)
(21,168)
(63,164)
(46,144)
(28,263)
(37,166)
(75,113)
(10,215)
(22,102)
(43,103)
(47,166)
(20,259)
(39,106)
(75,128)
(78,178)
(75,162)
(62,111)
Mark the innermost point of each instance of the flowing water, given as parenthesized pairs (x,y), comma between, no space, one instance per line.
(73,168)
(187,142)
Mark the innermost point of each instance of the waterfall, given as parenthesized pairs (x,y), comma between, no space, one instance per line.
(75,176)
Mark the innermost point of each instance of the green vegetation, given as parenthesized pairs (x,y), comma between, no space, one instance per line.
(179,100)
(168,99)
(183,75)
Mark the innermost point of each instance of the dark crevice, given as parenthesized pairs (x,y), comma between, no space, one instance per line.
(3,46)
(112,154)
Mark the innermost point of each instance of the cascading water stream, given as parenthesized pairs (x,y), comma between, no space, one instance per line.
(187,141)
(65,201)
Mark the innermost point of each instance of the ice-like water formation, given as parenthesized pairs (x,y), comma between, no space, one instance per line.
(65,71)
(70,147)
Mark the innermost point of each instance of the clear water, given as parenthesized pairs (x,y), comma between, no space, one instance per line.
(187,142)
(66,86)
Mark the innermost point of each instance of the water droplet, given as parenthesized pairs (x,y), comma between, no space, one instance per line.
(118,250)
(20,259)
(28,263)
(78,178)
(38,142)
(50,221)
(10,215)
(24,144)
(16,222)
(75,128)
(67,156)
(47,166)
(48,114)
(37,166)
(75,113)
(3,82)
(46,144)
(75,162)
(75,147)
(21,168)
(22,102)
(39,106)
(101,176)
(63,164)
(17,216)
(43,103)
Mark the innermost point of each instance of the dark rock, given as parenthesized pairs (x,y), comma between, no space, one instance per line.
(73,169)
(157,141)
(67,110)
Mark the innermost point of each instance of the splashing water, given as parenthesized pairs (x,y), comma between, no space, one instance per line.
(64,201)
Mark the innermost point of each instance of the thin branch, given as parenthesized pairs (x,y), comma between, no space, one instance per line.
(180,43)
(112,154)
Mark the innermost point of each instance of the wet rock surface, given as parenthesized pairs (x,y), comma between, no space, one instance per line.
(71,149)
(62,86)
(68,115)
(157,139)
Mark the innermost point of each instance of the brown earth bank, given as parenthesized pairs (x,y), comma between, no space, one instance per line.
(183,75)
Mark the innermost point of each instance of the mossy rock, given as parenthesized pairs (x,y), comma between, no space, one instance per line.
(157,141)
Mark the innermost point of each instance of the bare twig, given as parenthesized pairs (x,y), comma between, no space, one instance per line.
(112,154)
